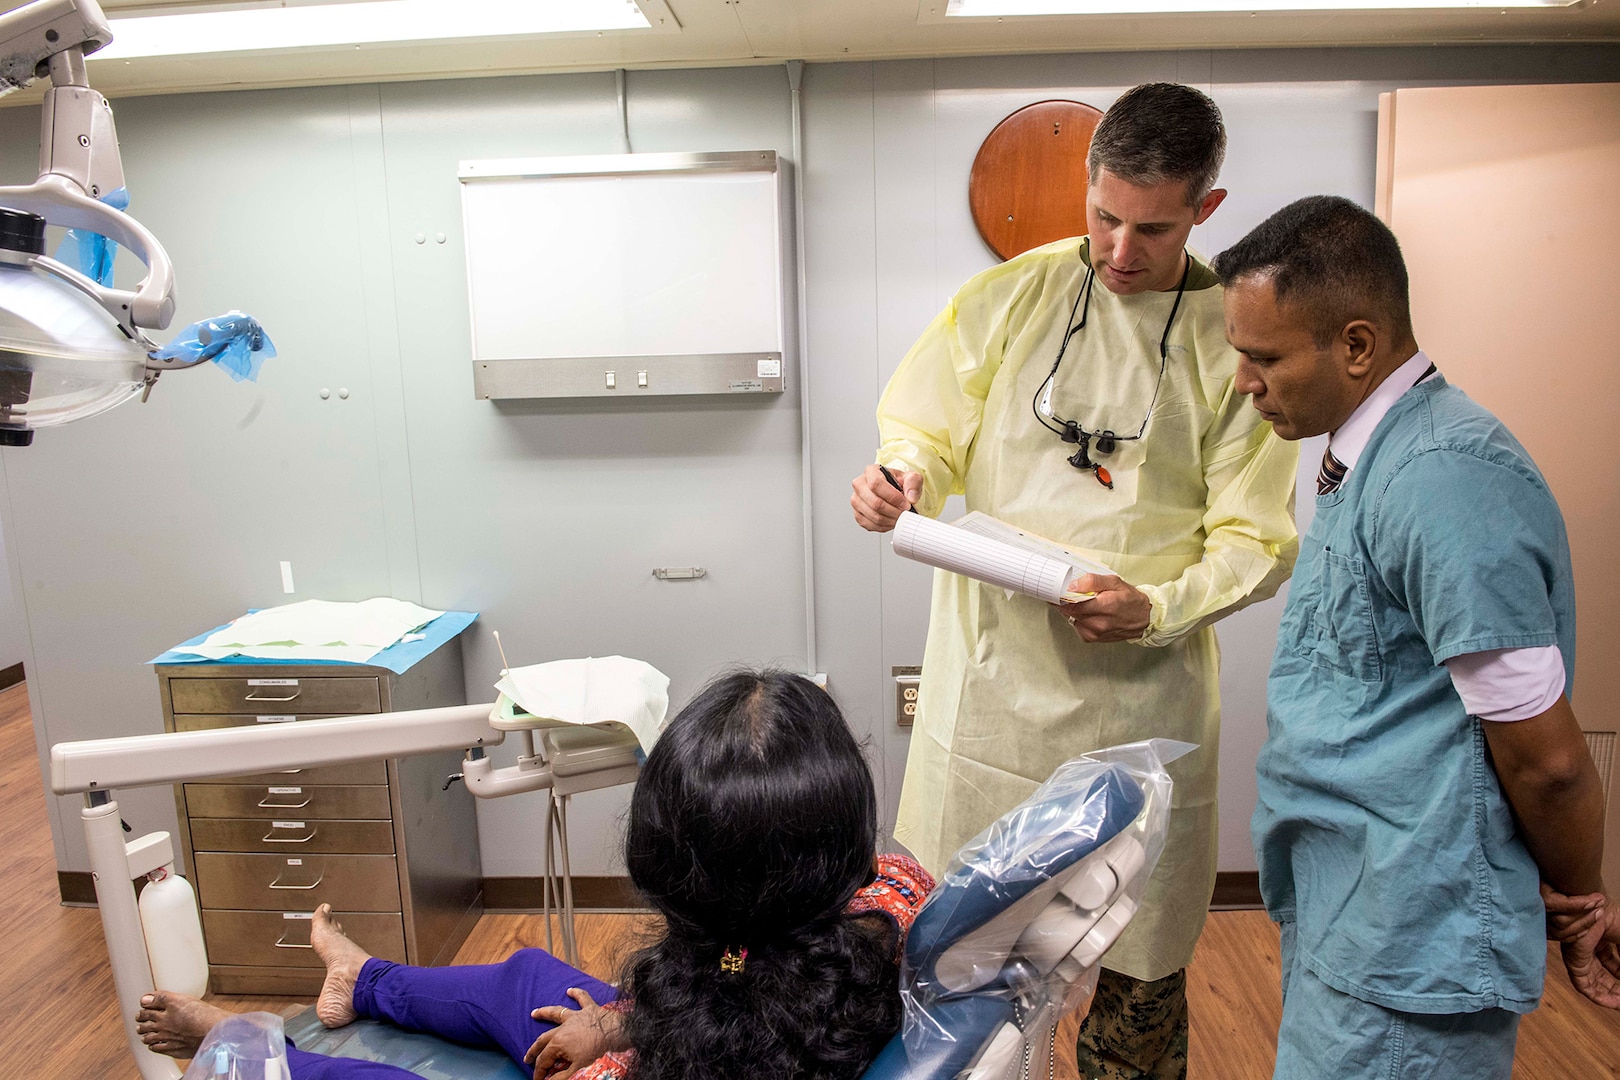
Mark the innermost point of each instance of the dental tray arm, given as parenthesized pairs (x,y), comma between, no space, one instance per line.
(142,760)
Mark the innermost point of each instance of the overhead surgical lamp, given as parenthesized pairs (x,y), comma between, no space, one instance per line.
(72,346)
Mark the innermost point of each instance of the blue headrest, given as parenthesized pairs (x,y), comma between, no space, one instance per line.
(1024,850)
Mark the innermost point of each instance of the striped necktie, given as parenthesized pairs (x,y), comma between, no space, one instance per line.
(1331,474)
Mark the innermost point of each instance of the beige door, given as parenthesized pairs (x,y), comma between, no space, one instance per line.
(1503,198)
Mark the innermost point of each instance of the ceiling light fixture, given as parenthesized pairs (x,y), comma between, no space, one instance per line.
(984,9)
(378,22)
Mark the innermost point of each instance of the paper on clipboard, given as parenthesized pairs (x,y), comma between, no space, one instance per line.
(990,550)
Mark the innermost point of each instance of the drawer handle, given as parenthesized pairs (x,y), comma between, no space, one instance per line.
(261,697)
(283,943)
(266,804)
(297,888)
(271,838)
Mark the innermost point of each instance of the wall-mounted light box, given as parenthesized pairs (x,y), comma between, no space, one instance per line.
(626,275)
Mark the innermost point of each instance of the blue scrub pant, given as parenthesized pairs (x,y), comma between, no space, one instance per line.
(1326,1033)
(486,1005)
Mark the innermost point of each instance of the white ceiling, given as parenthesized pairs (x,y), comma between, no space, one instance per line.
(728,32)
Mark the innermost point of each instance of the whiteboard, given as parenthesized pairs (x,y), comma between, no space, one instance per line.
(626,255)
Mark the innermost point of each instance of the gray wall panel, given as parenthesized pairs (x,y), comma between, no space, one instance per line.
(841,252)
(549,517)
(160,520)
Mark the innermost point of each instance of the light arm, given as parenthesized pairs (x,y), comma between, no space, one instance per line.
(78,151)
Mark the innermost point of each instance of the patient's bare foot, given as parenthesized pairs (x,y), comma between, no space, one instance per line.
(174,1024)
(343,960)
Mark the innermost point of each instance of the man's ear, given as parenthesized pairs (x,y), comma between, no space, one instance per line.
(1207,207)
(1359,341)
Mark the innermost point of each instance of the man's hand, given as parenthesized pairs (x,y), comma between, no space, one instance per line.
(1118,612)
(581,1036)
(1570,917)
(876,502)
(1587,929)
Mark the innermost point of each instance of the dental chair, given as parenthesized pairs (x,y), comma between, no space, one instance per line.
(1008,941)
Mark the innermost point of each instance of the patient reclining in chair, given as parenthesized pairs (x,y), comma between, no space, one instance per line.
(752,831)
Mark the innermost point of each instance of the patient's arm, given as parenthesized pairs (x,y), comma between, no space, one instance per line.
(581,1036)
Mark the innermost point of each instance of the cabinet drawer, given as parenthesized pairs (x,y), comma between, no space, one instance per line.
(305,697)
(282,801)
(281,939)
(293,837)
(297,883)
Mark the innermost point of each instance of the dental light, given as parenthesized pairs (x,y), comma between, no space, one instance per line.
(71,346)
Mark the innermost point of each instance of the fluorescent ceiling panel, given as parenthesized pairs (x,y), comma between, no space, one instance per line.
(1012,8)
(370,23)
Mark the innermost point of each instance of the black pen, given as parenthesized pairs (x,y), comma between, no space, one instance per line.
(889,476)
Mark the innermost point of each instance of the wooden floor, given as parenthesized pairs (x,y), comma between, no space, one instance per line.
(57,998)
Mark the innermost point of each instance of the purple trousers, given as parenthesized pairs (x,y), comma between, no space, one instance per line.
(485,1005)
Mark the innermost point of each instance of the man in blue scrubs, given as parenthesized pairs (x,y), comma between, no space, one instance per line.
(1423,771)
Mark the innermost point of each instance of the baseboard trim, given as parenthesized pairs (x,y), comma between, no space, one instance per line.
(1236,890)
(11,676)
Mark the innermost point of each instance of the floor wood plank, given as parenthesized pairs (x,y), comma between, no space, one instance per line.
(56,989)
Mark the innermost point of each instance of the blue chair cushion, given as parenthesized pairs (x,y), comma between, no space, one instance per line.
(426,1055)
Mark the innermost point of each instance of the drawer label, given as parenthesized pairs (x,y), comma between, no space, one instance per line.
(276,719)
(286,824)
(272,682)
(298,915)
(295,862)
(286,791)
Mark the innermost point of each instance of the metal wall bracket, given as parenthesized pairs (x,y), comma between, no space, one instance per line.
(679,573)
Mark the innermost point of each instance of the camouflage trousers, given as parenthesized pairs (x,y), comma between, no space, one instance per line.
(1136,1030)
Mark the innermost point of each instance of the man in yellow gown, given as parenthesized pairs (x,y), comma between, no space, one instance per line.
(1083,391)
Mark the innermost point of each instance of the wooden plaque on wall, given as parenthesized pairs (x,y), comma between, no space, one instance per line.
(1028,182)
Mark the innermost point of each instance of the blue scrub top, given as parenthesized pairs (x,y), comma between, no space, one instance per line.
(1381,830)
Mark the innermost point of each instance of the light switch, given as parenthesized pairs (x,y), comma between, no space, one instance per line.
(612,380)
(641,379)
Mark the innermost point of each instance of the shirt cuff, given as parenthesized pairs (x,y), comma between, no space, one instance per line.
(1508,684)
(1153,637)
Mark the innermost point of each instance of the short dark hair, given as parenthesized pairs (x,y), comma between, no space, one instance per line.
(1160,132)
(1334,260)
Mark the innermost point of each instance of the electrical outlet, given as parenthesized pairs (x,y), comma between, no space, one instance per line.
(907,679)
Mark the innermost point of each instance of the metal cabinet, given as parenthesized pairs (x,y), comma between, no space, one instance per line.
(394,853)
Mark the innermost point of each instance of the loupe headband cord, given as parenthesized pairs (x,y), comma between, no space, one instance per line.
(1057,424)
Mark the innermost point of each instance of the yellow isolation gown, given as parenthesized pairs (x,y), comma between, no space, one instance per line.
(1200,519)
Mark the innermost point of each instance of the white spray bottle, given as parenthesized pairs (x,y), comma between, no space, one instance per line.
(173,929)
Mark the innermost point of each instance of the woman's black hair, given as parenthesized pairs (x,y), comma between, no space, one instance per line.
(753,825)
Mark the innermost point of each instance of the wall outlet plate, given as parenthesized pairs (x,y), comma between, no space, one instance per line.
(907,678)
